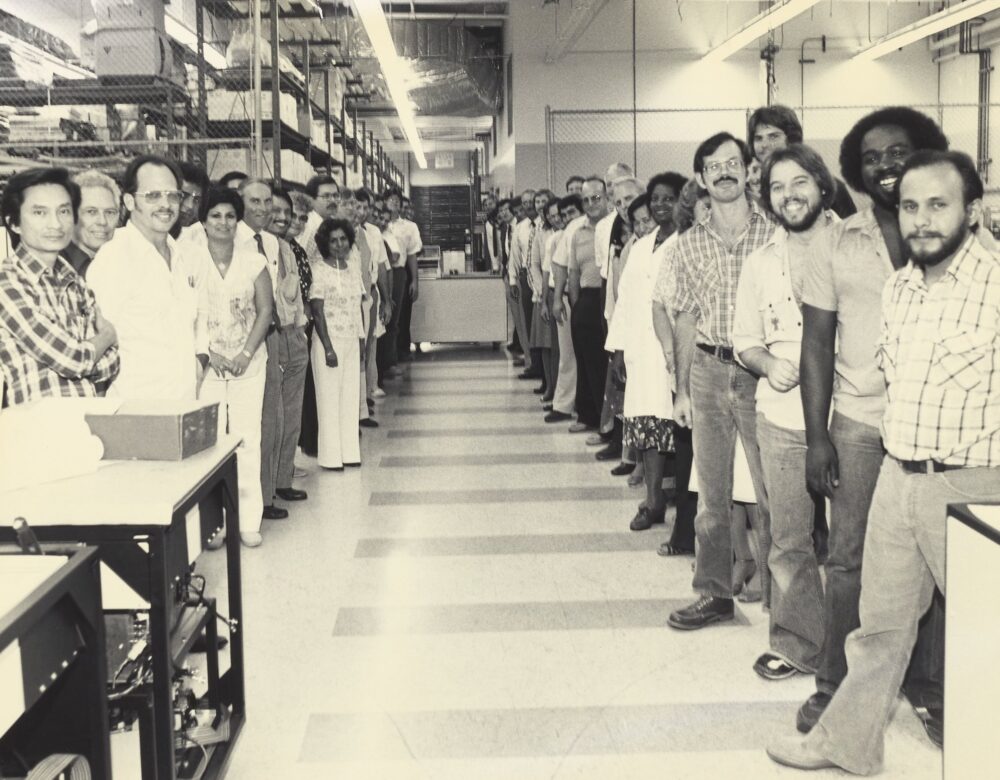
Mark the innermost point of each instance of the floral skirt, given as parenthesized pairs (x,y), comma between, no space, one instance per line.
(646,432)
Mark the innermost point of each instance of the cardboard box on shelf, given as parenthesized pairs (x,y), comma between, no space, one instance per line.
(133,53)
(129,14)
(156,430)
(226,105)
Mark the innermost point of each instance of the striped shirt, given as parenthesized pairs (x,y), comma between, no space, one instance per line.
(940,351)
(708,273)
(47,317)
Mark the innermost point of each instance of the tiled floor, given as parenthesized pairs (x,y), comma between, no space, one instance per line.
(470,604)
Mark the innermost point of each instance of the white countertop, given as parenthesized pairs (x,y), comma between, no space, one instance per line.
(132,492)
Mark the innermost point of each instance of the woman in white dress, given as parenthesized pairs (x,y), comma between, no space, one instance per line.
(336,297)
(235,307)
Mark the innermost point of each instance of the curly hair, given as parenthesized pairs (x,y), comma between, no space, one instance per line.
(674,181)
(324,231)
(922,131)
(809,160)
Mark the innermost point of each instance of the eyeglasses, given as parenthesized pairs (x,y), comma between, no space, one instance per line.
(594,199)
(328,196)
(173,197)
(732,164)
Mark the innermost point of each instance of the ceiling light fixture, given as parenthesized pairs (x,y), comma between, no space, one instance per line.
(762,24)
(373,18)
(952,16)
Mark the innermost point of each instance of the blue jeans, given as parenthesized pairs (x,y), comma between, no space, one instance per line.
(722,398)
(904,559)
(796,628)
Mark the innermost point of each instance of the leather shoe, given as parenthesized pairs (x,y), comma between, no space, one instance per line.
(933,720)
(622,469)
(611,452)
(773,666)
(274,513)
(546,407)
(291,494)
(540,390)
(645,519)
(554,417)
(811,711)
(704,612)
(579,427)
(368,422)
(517,362)
(529,375)
(796,753)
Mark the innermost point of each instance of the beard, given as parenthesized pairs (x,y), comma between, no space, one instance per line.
(949,245)
(807,222)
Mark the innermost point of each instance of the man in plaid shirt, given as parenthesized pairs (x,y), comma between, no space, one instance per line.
(714,392)
(53,339)
(940,353)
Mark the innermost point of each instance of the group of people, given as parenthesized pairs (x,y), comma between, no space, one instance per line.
(289,308)
(807,381)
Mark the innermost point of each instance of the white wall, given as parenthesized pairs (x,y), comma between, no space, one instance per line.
(440,177)
(671,39)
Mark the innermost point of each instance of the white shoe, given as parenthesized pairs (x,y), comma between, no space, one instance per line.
(378,392)
(300,473)
(251,539)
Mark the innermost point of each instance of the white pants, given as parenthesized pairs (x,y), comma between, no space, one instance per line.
(369,371)
(337,405)
(241,402)
(564,398)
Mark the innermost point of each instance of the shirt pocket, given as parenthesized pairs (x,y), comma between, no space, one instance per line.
(964,358)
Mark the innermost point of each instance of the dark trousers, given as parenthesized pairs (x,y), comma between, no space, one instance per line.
(682,536)
(389,341)
(403,341)
(586,324)
(309,433)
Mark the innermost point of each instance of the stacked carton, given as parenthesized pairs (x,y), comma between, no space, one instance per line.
(131,39)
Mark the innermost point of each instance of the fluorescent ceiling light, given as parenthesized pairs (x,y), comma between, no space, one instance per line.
(373,18)
(954,15)
(189,39)
(762,24)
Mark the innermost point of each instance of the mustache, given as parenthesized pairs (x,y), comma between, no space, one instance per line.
(722,179)
(925,234)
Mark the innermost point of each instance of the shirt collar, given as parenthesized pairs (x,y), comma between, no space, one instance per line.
(962,268)
(756,213)
(864,222)
(36,268)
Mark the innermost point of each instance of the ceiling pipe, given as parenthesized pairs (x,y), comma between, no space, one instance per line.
(953,39)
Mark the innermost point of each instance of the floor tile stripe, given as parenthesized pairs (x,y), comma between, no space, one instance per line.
(515,544)
(483,734)
(512,617)
(460,390)
(441,433)
(497,496)
(485,459)
(530,406)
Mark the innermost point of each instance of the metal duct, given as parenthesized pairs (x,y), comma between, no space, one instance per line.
(457,76)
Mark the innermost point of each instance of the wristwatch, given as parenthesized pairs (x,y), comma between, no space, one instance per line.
(247,355)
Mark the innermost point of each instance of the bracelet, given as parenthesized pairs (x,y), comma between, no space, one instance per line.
(247,355)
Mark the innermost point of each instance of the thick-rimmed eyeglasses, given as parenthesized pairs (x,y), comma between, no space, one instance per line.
(173,197)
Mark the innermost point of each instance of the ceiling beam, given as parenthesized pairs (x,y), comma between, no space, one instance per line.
(431,146)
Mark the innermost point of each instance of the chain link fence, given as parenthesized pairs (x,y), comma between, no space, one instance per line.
(581,142)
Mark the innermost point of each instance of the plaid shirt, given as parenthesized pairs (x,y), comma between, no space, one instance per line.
(940,351)
(708,273)
(47,316)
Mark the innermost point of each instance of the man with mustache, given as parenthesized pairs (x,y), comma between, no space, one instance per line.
(149,287)
(715,394)
(798,189)
(940,354)
(99,214)
(844,278)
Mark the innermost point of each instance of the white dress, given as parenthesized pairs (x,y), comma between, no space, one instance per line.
(649,387)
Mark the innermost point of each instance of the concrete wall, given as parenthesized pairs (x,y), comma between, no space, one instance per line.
(671,39)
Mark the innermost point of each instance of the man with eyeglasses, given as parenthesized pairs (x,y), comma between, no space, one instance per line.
(586,316)
(149,287)
(99,214)
(324,192)
(715,394)
(841,309)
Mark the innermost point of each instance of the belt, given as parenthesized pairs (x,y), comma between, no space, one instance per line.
(926,466)
(292,326)
(725,354)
